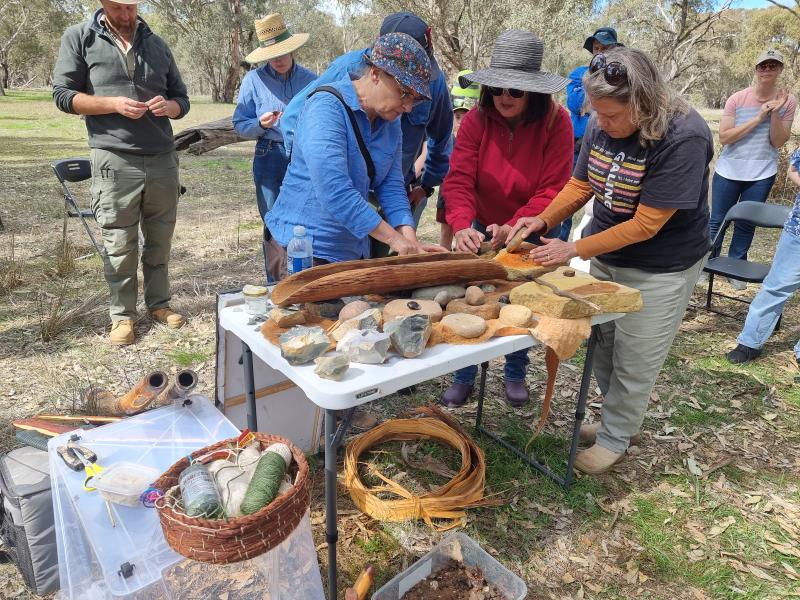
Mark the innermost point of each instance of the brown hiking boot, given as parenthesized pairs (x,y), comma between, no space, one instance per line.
(596,460)
(588,434)
(122,332)
(168,317)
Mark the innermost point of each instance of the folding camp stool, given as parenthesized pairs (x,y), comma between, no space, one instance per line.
(75,170)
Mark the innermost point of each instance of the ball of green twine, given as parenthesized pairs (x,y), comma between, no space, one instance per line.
(266,481)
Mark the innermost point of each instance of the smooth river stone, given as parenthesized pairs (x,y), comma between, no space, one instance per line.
(475,296)
(332,366)
(369,347)
(418,306)
(442,298)
(410,334)
(429,293)
(467,326)
(353,309)
(514,315)
(301,344)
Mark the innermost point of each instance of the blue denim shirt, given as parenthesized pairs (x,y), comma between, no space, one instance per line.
(264,90)
(792,224)
(576,98)
(326,186)
(432,119)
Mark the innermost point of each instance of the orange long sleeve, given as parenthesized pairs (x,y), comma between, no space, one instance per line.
(571,197)
(646,222)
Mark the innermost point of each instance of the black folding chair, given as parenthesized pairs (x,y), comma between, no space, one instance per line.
(758,214)
(73,170)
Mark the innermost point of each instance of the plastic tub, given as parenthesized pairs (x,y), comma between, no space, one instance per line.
(462,548)
(123,482)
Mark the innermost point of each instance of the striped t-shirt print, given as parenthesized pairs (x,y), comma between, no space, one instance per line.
(616,177)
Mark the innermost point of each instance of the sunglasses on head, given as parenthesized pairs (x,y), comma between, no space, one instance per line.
(498,91)
(614,72)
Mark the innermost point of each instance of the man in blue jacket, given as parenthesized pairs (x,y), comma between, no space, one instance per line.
(431,119)
(600,41)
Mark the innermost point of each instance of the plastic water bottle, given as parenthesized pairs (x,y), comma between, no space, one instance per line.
(298,252)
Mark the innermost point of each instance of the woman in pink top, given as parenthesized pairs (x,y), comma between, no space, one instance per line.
(757,121)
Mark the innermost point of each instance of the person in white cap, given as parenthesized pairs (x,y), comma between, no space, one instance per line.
(756,122)
(123,79)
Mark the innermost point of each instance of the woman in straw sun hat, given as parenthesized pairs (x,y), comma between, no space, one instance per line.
(263,96)
(329,180)
(511,157)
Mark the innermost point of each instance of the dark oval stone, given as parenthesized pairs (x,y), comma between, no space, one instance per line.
(413,305)
(504,299)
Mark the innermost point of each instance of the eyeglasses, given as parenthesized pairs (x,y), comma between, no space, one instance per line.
(614,72)
(768,66)
(406,93)
(497,91)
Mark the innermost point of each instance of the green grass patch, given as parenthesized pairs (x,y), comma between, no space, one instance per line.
(229,164)
(187,358)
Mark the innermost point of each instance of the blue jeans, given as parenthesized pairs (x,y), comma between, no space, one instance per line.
(516,362)
(781,282)
(724,194)
(269,167)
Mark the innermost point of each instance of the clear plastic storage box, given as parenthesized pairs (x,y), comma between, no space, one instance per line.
(129,558)
(461,548)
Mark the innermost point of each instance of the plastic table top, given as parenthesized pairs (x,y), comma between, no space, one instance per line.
(363,383)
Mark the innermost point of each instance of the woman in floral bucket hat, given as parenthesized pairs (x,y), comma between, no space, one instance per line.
(329,180)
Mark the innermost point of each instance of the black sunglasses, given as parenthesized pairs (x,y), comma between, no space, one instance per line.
(614,72)
(498,91)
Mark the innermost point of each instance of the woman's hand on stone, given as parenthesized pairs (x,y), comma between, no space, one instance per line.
(469,240)
(553,252)
(499,234)
(529,224)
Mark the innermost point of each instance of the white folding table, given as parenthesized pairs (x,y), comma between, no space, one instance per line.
(364,383)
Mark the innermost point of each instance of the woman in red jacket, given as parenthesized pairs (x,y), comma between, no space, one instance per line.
(512,156)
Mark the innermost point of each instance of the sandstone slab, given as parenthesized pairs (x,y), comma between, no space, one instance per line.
(609,296)
(417,306)
(285,317)
(489,310)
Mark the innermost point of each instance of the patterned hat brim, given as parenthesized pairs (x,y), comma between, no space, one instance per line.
(540,82)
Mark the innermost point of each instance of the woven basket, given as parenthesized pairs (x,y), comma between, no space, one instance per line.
(223,541)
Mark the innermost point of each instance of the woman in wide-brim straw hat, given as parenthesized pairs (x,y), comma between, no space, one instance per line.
(263,96)
(644,166)
(328,183)
(511,157)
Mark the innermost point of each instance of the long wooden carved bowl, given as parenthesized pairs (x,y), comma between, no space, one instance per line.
(381,275)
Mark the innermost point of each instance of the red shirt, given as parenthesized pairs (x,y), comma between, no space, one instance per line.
(498,175)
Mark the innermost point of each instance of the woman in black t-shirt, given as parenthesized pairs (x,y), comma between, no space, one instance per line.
(644,165)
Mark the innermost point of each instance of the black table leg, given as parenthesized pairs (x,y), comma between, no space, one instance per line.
(580,412)
(331,532)
(249,387)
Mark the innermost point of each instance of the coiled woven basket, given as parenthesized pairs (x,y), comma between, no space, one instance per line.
(223,541)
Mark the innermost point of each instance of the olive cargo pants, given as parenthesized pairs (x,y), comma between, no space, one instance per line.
(129,190)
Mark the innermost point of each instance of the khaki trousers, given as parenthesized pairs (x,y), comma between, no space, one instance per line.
(631,350)
(129,191)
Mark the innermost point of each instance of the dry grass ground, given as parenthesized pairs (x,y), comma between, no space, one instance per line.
(708,506)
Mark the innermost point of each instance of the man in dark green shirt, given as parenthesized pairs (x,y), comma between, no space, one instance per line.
(122,78)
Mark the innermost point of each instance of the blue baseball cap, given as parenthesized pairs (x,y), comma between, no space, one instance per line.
(410,24)
(403,58)
(605,35)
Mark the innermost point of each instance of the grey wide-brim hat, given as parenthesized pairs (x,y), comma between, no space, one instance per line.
(517,64)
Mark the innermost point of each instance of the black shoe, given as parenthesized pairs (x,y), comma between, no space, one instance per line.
(456,395)
(742,354)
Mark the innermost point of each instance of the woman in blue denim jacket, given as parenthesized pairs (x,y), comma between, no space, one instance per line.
(782,281)
(327,186)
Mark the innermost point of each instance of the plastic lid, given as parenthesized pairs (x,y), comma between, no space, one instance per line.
(254,290)
(126,479)
(299,230)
